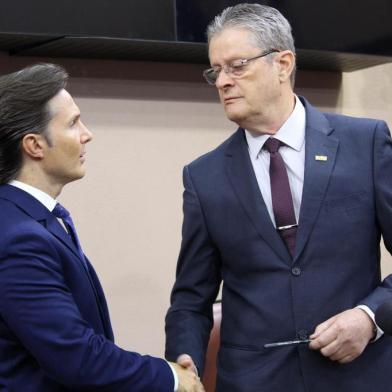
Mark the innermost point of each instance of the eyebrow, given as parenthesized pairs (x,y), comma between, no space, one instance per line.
(235,58)
(75,117)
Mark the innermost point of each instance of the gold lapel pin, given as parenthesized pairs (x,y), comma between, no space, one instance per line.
(321,158)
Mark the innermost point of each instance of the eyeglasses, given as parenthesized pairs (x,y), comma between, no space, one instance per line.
(235,69)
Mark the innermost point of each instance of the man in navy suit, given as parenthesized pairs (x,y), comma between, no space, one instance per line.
(55,332)
(321,283)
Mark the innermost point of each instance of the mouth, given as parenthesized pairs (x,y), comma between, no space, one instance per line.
(229,100)
(82,157)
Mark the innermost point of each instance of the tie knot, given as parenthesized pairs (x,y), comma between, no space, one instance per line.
(272,145)
(60,212)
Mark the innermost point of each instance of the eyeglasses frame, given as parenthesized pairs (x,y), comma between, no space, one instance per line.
(228,68)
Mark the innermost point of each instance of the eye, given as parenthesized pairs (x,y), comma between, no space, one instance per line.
(74,121)
(237,66)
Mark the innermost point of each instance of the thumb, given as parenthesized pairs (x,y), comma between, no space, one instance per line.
(186,361)
(322,327)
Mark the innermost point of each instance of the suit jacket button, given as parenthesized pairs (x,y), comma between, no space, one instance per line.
(296,271)
(303,334)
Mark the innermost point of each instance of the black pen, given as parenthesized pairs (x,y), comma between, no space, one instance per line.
(287,343)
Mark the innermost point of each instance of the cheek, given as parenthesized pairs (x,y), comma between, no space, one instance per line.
(72,146)
(250,98)
(67,154)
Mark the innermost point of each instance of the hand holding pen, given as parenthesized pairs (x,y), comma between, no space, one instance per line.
(287,343)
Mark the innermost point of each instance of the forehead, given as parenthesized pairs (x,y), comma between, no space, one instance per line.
(232,43)
(62,104)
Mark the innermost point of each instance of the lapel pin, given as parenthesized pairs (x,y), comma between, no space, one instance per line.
(321,158)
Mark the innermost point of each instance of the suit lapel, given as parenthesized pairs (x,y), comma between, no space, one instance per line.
(38,212)
(243,180)
(53,225)
(59,232)
(318,143)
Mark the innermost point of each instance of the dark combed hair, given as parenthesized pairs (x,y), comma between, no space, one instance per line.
(24,97)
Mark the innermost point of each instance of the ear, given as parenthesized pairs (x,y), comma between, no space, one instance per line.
(286,61)
(33,145)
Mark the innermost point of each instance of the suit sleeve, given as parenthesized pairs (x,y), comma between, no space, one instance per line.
(39,309)
(382,161)
(189,319)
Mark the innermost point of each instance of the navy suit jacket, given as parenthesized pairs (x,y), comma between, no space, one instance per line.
(267,296)
(55,332)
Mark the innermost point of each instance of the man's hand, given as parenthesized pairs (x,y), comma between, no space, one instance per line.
(343,338)
(186,361)
(188,381)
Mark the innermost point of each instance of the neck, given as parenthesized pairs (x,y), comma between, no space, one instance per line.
(273,119)
(37,180)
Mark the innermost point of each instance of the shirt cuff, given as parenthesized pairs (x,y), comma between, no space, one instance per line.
(379,332)
(175,377)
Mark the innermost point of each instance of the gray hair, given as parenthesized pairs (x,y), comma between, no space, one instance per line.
(269,27)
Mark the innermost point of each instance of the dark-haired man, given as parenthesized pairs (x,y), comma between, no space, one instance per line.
(55,332)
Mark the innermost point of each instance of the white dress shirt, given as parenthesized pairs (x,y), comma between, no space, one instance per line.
(41,196)
(292,134)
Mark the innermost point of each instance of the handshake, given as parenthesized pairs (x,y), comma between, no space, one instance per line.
(188,380)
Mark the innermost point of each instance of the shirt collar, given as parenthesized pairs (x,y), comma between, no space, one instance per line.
(291,133)
(41,196)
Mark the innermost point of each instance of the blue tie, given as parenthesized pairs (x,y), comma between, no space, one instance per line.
(60,212)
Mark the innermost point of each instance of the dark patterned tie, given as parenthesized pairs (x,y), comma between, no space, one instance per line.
(282,201)
(61,212)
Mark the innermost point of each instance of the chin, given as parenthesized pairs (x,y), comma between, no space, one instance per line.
(78,175)
(236,111)
(81,175)
(235,116)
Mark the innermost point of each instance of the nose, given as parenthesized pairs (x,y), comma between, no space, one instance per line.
(223,80)
(85,134)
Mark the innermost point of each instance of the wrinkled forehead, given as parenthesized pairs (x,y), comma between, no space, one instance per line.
(232,43)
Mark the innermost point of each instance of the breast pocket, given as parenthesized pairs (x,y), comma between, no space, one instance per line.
(348,206)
